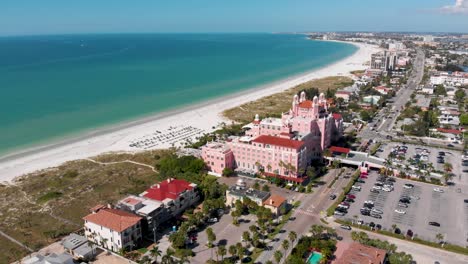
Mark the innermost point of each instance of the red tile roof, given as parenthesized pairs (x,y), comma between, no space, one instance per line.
(277,141)
(275,200)
(451,131)
(306,104)
(170,188)
(339,149)
(113,219)
(337,116)
(358,253)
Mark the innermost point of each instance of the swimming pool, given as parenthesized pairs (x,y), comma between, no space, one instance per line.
(314,258)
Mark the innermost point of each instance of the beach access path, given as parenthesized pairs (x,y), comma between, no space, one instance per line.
(205,116)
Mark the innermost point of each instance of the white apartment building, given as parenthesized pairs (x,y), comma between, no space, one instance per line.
(112,228)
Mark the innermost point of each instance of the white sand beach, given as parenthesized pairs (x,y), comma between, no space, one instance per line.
(174,127)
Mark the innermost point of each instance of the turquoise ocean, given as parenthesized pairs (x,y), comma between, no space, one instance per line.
(53,87)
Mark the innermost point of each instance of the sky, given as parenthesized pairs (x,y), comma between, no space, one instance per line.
(35,17)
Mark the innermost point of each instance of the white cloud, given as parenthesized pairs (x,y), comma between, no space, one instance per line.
(460,7)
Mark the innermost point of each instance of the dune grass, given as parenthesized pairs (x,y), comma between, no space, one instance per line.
(43,206)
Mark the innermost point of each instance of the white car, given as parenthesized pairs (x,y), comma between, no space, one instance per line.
(368,202)
(377,211)
(439,190)
(343,206)
(354,187)
(386,189)
(408,186)
(399,211)
(377,187)
(414,197)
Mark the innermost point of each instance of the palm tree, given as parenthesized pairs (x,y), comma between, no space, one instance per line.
(355,218)
(316,230)
(232,250)
(155,253)
(394,227)
(439,237)
(240,251)
(285,246)
(278,256)
(222,252)
(292,236)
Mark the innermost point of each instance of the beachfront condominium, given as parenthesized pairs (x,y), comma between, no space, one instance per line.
(161,202)
(279,147)
(113,229)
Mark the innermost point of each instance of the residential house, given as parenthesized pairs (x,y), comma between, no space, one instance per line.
(352,253)
(382,89)
(424,102)
(78,247)
(345,95)
(113,229)
(52,258)
(276,203)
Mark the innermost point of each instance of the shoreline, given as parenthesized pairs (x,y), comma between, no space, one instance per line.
(203,115)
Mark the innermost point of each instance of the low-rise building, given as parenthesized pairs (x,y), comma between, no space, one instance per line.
(176,195)
(352,253)
(78,247)
(345,95)
(427,90)
(422,101)
(53,258)
(113,229)
(450,78)
(276,203)
(382,89)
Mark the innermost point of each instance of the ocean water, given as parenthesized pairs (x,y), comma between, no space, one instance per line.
(56,86)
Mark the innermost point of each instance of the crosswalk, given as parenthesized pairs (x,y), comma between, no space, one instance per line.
(306,212)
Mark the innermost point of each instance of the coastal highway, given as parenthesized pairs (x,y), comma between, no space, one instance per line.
(385,125)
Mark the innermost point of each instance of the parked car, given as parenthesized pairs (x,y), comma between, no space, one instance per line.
(403,205)
(345,203)
(343,206)
(399,211)
(375,187)
(213,220)
(434,224)
(356,188)
(376,215)
(405,201)
(351,196)
(332,196)
(374,191)
(377,211)
(439,190)
(346,227)
(408,186)
(386,189)
(339,213)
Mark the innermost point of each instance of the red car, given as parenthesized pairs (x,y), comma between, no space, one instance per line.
(345,203)
(351,196)
(363,177)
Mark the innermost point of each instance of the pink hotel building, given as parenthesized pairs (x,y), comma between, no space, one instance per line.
(281,147)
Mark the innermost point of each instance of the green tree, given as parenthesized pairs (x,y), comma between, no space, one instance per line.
(292,236)
(256,186)
(278,256)
(211,236)
(222,252)
(285,246)
(232,250)
(155,253)
(246,236)
(227,172)
(316,230)
(265,188)
(440,90)
(240,251)
(400,258)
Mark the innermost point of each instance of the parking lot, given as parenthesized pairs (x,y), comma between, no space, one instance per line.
(427,157)
(426,205)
